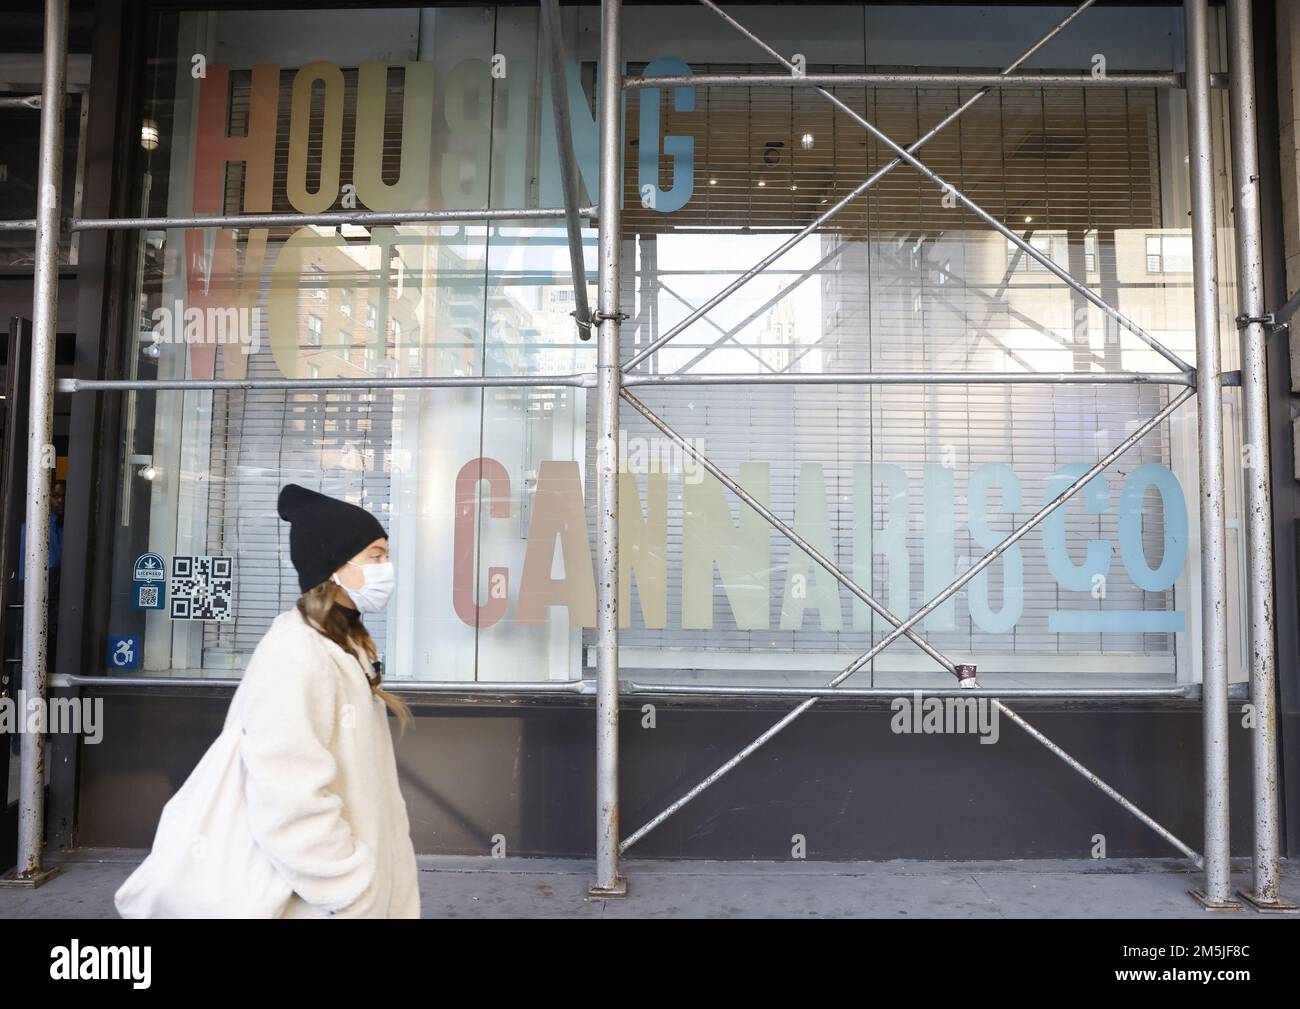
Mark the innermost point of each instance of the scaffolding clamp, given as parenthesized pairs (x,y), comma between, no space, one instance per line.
(583,324)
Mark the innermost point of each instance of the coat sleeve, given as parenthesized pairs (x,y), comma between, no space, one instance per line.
(289,721)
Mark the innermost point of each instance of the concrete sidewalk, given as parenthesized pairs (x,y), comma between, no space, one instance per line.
(482,887)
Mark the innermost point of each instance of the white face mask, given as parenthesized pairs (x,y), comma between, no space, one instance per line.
(373,594)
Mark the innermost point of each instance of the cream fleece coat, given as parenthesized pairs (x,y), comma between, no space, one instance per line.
(321,777)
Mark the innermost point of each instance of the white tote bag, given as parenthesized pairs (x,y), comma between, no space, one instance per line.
(204,862)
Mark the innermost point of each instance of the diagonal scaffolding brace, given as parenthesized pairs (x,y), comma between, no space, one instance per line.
(840,204)
(568,162)
(906,155)
(904,627)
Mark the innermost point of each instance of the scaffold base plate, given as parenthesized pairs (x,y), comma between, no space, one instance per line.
(1215,905)
(12,881)
(1279,906)
(619,889)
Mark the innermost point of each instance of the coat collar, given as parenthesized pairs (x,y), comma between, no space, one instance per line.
(348,662)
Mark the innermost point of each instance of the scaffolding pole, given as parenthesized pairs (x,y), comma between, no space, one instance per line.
(913,378)
(588,380)
(1257,469)
(1216,893)
(568,162)
(40,451)
(582,380)
(1185,692)
(586,688)
(608,881)
(336,219)
(905,80)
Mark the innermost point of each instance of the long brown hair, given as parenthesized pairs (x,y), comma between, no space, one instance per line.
(319,609)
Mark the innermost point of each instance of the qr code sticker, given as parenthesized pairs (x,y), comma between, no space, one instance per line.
(202,588)
(148,595)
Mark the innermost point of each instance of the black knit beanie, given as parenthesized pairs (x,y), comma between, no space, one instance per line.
(324,532)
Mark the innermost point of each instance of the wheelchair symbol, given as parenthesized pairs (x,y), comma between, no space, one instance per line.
(123,653)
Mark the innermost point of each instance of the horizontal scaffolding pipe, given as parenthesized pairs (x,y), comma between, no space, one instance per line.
(27,225)
(21,102)
(323,384)
(1188,691)
(587,687)
(412,686)
(364,218)
(1074,80)
(919,378)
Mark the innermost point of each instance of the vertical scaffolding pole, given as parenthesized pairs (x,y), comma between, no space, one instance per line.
(40,428)
(608,881)
(1214,646)
(1257,467)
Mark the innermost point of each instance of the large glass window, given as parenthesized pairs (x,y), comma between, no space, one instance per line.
(487,492)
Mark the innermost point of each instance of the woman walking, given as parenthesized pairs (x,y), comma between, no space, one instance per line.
(320,826)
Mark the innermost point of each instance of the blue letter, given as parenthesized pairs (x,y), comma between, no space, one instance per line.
(1174,506)
(680,149)
(1075,577)
(1013,567)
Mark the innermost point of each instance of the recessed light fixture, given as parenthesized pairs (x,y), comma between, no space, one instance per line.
(713,182)
(793,187)
(1029,220)
(807,141)
(761,183)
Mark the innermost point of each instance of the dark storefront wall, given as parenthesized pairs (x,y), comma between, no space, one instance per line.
(839,776)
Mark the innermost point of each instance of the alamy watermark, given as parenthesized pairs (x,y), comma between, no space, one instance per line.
(83,715)
(660,455)
(921,715)
(211,325)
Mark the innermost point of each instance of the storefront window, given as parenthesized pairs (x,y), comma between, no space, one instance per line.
(487,493)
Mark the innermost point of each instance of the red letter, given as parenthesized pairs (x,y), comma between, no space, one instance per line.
(463,574)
